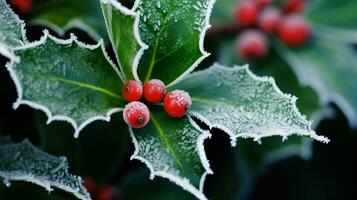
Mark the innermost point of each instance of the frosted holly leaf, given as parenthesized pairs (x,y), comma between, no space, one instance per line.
(244,105)
(11,32)
(330,68)
(173,149)
(63,15)
(68,80)
(174,31)
(343,24)
(24,162)
(122,25)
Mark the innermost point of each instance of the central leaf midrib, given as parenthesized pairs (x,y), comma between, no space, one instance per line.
(84,85)
(166,141)
(153,58)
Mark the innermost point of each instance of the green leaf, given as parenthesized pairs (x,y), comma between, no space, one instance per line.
(12,31)
(68,80)
(328,67)
(62,15)
(244,105)
(339,14)
(335,20)
(173,149)
(275,66)
(223,11)
(174,31)
(24,162)
(122,25)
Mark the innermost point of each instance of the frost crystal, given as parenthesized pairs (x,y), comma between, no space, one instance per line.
(24,162)
(244,105)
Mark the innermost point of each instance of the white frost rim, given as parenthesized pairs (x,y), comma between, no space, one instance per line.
(201,44)
(182,182)
(310,133)
(8,51)
(51,118)
(74,23)
(205,54)
(136,15)
(324,95)
(42,182)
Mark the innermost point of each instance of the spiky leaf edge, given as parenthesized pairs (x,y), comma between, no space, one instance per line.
(8,51)
(20,101)
(182,182)
(135,14)
(45,184)
(205,54)
(310,133)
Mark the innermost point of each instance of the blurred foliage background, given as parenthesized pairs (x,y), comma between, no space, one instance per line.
(294,169)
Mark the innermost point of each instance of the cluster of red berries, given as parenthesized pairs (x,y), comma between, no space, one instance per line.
(104,192)
(136,114)
(261,18)
(23,6)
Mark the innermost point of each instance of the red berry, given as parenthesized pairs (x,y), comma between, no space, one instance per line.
(262,3)
(24,6)
(246,13)
(132,90)
(294,31)
(106,193)
(154,91)
(293,6)
(251,44)
(177,103)
(136,114)
(269,19)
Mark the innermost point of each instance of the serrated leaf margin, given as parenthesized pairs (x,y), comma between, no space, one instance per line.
(74,23)
(310,133)
(6,51)
(136,14)
(45,184)
(51,118)
(201,44)
(325,96)
(182,182)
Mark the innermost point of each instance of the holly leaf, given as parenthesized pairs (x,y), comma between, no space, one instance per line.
(24,162)
(63,15)
(68,80)
(223,12)
(173,149)
(343,23)
(328,67)
(12,32)
(244,105)
(174,31)
(122,25)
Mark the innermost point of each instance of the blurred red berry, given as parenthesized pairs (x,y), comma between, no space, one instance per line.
(106,193)
(251,44)
(24,6)
(154,91)
(294,31)
(269,19)
(177,103)
(262,3)
(136,114)
(132,90)
(246,13)
(294,6)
